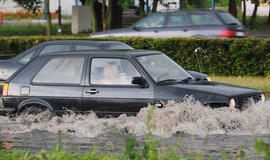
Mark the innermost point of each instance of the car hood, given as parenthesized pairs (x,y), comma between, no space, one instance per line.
(217,88)
(111,33)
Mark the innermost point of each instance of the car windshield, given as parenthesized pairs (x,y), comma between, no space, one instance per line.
(161,68)
(228,18)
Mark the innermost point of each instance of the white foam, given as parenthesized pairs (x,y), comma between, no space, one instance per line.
(187,117)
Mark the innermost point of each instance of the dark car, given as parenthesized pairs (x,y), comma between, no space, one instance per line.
(8,67)
(112,82)
(185,23)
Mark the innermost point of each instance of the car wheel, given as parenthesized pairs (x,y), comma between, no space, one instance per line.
(33,110)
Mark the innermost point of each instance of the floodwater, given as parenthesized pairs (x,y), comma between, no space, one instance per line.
(190,126)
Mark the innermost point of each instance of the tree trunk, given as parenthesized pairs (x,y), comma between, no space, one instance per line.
(103,12)
(183,4)
(269,14)
(93,15)
(141,8)
(233,8)
(117,14)
(109,13)
(154,4)
(244,21)
(49,19)
(254,15)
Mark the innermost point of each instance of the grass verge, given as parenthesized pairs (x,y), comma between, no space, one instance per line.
(261,83)
(34,29)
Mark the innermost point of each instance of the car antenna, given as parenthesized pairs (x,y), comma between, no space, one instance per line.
(197,58)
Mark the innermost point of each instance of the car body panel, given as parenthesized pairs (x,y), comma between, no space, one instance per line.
(114,98)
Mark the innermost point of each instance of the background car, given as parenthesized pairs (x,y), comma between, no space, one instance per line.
(112,82)
(185,23)
(8,67)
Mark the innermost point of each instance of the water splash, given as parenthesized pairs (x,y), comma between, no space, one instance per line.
(175,118)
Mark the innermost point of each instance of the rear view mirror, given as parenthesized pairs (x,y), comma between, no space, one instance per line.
(140,81)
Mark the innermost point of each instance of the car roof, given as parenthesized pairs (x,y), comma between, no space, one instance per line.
(80,41)
(191,11)
(130,52)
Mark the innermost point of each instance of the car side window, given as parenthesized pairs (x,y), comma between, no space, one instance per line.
(86,47)
(55,48)
(202,19)
(153,21)
(112,71)
(178,20)
(61,70)
(27,57)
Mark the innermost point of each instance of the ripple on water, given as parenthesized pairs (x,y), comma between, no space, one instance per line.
(187,117)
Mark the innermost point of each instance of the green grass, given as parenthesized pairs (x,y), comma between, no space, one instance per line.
(26,30)
(261,83)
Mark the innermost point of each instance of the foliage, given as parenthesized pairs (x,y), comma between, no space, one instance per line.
(125,4)
(263,147)
(237,57)
(30,5)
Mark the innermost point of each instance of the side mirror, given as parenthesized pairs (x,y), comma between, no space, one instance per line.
(140,81)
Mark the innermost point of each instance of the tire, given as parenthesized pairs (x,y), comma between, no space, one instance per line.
(33,110)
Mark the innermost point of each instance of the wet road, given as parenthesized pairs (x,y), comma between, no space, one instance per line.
(211,132)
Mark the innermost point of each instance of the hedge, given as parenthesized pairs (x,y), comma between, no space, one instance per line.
(235,57)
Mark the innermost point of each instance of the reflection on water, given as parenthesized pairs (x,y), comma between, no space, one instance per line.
(197,128)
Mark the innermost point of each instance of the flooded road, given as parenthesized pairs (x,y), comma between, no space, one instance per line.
(190,126)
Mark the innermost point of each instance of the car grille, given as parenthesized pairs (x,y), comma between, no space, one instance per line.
(243,101)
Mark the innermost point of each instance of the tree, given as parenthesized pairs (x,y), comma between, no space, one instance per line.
(233,8)
(30,5)
(141,8)
(244,21)
(154,5)
(254,14)
(93,14)
(49,18)
(183,4)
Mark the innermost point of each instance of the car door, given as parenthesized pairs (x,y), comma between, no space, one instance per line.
(178,24)
(150,26)
(109,88)
(59,82)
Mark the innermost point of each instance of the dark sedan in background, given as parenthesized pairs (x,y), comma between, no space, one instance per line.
(185,23)
(112,82)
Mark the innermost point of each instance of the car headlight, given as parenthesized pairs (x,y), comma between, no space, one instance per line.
(208,78)
(232,103)
(262,97)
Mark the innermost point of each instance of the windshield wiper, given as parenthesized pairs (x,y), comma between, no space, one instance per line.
(167,81)
(186,79)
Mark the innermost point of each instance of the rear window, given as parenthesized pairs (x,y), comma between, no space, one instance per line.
(55,48)
(228,18)
(66,70)
(202,19)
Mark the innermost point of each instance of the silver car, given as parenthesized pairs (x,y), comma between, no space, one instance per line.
(186,23)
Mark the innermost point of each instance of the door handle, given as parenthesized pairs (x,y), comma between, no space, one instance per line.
(92,91)
(185,30)
(156,31)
